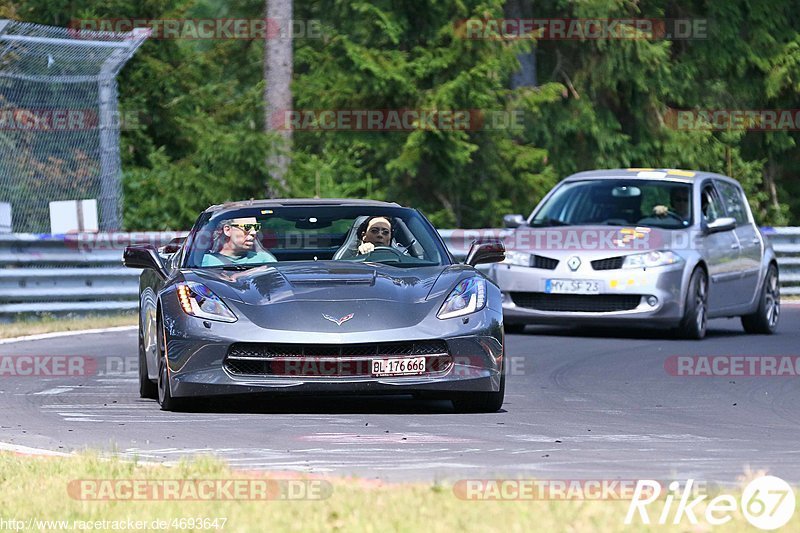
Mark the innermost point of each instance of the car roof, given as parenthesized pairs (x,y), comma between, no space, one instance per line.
(297,202)
(667,174)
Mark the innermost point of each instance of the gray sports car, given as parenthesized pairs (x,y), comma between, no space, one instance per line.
(315,297)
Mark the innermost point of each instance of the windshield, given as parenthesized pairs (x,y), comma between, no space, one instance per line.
(243,238)
(663,204)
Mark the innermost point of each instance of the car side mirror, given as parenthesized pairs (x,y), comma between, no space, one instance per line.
(721,224)
(144,256)
(485,252)
(513,221)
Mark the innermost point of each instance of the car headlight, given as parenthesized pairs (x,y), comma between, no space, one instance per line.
(517,258)
(467,297)
(652,259)
(197,300)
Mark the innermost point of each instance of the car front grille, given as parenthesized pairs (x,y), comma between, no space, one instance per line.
(611,263)
(547,263)
(577,303)
(330,360)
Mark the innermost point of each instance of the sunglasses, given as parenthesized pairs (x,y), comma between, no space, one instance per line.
(380,231)
(247,227)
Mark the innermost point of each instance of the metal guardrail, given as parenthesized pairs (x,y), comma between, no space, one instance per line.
(75,274)
(69,273)
(786,242)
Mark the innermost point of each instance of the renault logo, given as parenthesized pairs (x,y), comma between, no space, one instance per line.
(574,263)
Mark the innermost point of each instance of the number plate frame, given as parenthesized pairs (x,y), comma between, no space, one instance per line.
(390,366)
(572,286)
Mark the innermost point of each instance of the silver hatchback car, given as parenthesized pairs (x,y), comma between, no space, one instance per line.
(639,247)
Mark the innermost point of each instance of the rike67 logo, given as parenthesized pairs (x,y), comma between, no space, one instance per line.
(767,502)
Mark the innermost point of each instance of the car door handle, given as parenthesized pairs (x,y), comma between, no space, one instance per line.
(756,241)
(735,246)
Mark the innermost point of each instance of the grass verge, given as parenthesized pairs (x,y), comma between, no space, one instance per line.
(49,324)
(39,488)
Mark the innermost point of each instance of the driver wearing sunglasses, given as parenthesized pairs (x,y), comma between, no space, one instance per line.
(235,243)
(376,231)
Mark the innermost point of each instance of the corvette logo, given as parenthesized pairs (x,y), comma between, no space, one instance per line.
(338,321)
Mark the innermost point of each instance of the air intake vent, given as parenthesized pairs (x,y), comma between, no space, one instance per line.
(611,263)
(577,303)
(330,360)
(547,263)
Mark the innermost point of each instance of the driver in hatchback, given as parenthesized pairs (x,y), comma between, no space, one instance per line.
(375,231)
(679,203)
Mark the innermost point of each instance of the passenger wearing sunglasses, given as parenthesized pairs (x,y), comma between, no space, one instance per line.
(375,231)
(235,243)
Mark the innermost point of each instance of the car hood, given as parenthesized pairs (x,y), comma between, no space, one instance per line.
(319,281)
(285,296)
(596,241)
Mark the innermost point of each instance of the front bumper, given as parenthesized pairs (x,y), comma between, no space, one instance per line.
(652,297)
(196,355)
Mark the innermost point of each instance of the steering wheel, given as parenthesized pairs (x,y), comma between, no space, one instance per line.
(397,254)
(674,215)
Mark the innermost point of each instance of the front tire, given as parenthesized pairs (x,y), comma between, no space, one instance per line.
(765,319)
(165,399)
(482,402)
(695,317)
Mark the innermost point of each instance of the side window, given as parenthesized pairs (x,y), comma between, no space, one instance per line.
(733,201)
(711,204)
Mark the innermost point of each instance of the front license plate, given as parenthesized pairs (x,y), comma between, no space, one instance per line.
(572,286)
(398,366)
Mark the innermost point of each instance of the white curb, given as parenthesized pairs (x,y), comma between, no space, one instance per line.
(25,450)
(55,334)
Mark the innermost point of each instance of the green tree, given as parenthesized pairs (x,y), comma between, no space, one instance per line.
(584,104)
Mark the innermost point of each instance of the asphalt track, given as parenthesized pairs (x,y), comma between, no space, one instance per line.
(580,404)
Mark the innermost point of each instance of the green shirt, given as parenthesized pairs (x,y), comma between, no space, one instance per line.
(250,258)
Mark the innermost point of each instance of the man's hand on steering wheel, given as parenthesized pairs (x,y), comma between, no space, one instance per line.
(664,211)
(365,248)
(392,249)
(378,249)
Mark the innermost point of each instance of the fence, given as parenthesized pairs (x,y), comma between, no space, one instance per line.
(59,124)
(58,274)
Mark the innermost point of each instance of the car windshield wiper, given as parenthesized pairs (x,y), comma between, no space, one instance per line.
(549,222)
(414,264)
(662,226)
(238,267)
